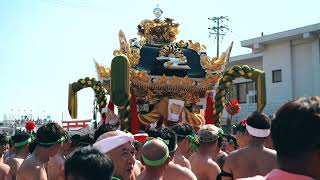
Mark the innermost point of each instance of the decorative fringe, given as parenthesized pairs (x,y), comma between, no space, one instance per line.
(134,116)
(111,106)
(208,114)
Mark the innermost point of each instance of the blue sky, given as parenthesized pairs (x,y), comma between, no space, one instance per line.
(46,44)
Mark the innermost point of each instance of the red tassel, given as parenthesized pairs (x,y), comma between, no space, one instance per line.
(30,125)
(134,115)
(208,113)
(111,106)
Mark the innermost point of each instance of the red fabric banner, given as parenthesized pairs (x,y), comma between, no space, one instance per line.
(134,116)
(208,113)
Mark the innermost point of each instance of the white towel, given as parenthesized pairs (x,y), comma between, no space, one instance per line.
(108,144)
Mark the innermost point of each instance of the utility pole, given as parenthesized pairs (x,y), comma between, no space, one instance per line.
(218,30)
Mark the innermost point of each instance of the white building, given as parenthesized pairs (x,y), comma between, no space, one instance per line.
(291,61)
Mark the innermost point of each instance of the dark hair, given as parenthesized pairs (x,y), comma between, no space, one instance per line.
(20,136)
(103,129)
(75,140)
(49,133)
(3,139)
(182,130)
(89,163)
(295,129)
(239,127)
(32,146)
(166,133)
(219,141)
(152,133)
(86,140)
(141,132)
(231,140)
(259,120)
(10,142)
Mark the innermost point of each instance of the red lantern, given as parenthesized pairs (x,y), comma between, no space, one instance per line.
(233,107)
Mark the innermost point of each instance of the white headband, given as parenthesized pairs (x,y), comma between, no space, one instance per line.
(108,144)
(257,132)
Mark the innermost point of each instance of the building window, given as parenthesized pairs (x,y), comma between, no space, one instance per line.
(245,92)
(276,76)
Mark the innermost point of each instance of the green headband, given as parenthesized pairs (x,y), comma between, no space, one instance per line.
(220,133)
(136,144)
(115,178)
(52,143)
(180,135)
(20,144)
(193,140)
(155,162)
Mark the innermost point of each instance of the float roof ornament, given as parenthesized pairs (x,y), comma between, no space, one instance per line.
(157,12)
(158,31)
(161,66)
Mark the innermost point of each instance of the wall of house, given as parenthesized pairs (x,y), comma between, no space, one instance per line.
(299,61)
(316,66)
(303,78)
(275,57)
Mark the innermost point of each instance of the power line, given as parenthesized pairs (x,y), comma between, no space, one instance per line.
(218,30)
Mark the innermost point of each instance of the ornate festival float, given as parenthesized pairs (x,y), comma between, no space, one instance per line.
(157,81)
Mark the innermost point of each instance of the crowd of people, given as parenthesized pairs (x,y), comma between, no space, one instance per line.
(286,147)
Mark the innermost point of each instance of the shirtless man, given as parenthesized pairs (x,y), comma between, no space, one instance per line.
(4,169)
(254,159)
(218,155)
(49,139)
(174,171)
(21,142)
(202,163)
(295,134)
(10,152)
(56,163)
(118,146)
(155,157)
(185,134)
